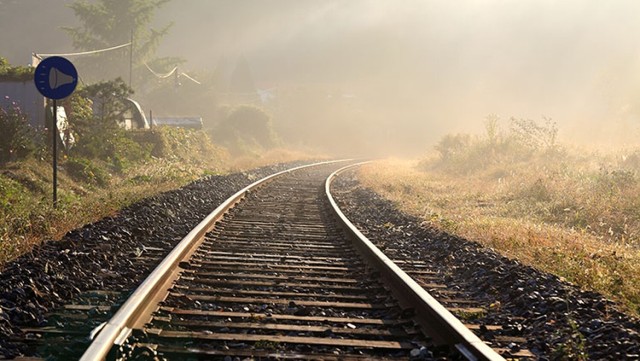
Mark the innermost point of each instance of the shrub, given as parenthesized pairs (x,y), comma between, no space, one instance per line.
(453,146)
(99,136)
(126,151)
(15,73)
(17,138)
(245,128)
(535,135)
(526,139)
(82,169)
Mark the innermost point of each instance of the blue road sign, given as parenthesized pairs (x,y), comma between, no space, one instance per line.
(56,77)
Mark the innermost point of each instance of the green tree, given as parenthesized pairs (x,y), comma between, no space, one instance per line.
(96,132)
(107,23)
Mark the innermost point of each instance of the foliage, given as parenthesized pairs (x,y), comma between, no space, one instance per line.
(14,73)
(535,135)
(574,347)
(107,23)
(99,135)
(525,140)
(86,191)
(84,170)
(245,128)
(492,128)
(109,101)
(451,146)
(17,138)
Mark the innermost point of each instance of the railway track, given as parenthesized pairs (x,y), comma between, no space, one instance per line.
(278,272)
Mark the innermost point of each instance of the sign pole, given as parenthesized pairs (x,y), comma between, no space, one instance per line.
(55,153)
(55,78)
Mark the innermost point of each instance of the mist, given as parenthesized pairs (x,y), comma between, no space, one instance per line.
(399,75)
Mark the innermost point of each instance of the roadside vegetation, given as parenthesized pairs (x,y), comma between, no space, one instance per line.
(105,169)
(517,190)
(94,186)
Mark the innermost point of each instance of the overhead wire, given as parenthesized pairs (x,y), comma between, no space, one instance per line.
(90,52)
(190,78)
(170,73)
(40,56)
(158,75)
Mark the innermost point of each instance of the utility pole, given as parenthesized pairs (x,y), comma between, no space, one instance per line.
(131,59)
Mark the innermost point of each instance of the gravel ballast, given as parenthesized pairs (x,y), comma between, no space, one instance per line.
(114,254)
(558,320)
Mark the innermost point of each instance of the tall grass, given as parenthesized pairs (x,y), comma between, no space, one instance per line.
(569,212)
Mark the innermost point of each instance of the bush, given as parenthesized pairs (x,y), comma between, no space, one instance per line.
(18,139)
(99,135)
(15,73)
(526,139)
(453,146)
(245,128)
(537,136)
(83,170)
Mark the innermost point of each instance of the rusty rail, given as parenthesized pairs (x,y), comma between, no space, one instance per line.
(119,327)
(433,317)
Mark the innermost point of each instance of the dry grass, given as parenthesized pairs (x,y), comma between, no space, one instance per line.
(568,216)
(272,156)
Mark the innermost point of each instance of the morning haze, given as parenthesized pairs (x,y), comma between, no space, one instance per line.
(399,75)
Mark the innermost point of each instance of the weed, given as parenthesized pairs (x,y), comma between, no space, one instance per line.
(470,314)
(573,347)
(266,345)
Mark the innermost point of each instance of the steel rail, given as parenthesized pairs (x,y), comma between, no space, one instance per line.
(119,327)
(432,316)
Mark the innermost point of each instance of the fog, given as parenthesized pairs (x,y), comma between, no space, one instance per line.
(419,69)
(400,74)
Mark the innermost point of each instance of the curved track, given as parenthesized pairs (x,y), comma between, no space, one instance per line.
(278,271)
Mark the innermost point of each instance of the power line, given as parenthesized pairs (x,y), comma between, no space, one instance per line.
(40,56)
(161,76)
(170,73)
(190,78)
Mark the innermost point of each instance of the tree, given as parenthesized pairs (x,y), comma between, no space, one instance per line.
(107,23)
(96,133)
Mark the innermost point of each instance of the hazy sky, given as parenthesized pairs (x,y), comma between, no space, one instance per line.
(443,64)
(418,68)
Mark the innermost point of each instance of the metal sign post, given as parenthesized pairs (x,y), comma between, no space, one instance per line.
(55,78)
(55,153)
